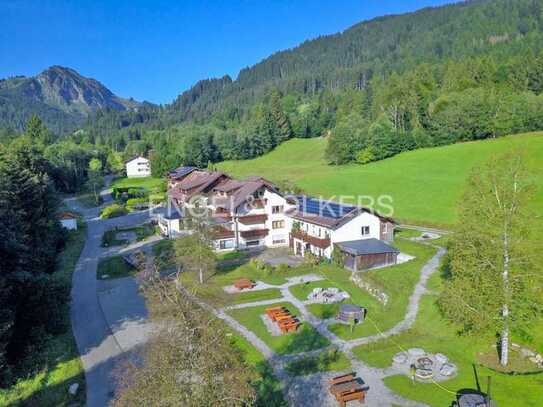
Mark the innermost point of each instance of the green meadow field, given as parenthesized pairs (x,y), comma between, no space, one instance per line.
(425,185)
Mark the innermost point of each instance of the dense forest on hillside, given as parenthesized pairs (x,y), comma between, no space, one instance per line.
(441,75)
(33,297)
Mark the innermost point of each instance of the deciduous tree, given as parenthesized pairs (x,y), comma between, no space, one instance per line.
(495,280)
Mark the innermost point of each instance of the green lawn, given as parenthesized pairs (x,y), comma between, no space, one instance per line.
(142,232)
(328,361)
(397,281)
(212,291)
(57,366)
(149,183)
(267,386)
(252,296)
(114,267)
(323,311)
(305,339)
(425,184)
(432,333)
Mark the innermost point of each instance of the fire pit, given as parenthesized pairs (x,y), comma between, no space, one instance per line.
(424,363)
(424,367)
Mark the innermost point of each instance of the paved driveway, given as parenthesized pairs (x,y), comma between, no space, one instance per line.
(100,350)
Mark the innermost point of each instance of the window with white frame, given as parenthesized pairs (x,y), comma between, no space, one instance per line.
(278,224)
(277,209)
(365,230)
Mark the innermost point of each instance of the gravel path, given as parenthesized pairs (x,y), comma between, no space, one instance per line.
(105,338)
(312,390)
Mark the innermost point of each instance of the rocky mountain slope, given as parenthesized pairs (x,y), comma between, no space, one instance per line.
(60,96)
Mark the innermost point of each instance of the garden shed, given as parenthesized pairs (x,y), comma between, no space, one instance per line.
(367,253)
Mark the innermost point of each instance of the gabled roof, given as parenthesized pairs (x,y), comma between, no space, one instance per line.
(328,213)
(67,215)
(228,186)
(135,157)
(199,179)
(366,246)
(181,172)
(239,192)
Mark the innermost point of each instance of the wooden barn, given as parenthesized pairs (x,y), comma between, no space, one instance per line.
(364,254)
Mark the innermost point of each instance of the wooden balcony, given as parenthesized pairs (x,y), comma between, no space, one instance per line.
(253,219)
(252,234)
(220,232)
(322,243)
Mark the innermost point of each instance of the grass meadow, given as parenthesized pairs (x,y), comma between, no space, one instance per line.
(425,185)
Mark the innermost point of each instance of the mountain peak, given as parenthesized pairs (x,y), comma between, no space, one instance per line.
(59,92)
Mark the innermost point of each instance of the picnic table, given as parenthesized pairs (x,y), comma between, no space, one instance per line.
(342,379)
(244,283)
(346,387)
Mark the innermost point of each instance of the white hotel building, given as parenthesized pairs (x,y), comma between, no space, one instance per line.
(253,213)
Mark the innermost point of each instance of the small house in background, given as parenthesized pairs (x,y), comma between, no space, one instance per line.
(138,167)
(68,221)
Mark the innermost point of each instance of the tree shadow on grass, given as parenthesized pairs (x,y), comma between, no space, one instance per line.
(305,339)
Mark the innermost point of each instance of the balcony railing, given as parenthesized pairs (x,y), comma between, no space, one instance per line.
(322,243)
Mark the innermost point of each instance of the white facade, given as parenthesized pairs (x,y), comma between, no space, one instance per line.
(363,226)
(69,223)
(353,230)
(274,225)
(138,167)
(252,213)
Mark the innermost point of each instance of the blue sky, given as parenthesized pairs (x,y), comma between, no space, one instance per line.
(153,49)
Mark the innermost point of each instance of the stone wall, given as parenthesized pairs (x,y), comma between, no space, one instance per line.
(382,297)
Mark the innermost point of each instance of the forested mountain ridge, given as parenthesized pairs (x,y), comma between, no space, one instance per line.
(377,47)
(60,96)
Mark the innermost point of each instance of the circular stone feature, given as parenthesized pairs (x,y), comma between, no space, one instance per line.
(448,369)
(441,358)
(416,352)
(424,373)
(400,358)
(425,363)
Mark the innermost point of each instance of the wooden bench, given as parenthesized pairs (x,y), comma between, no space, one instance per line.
(343,398)
(342,379)
(274,311)
(283,317)
(291,326)
(244,283)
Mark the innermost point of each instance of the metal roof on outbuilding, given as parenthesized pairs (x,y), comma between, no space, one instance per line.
(366,246)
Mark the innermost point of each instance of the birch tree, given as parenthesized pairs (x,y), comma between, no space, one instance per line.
(494,285)
(194,253)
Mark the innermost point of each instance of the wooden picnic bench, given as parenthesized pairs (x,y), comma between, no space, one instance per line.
(283,317)
(274,311)
(244,283)
(359,395)
(291,326)
(342,379)
(346,388)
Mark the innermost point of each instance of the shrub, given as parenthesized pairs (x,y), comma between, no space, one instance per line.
(137,203)
(113,211)
(282,268)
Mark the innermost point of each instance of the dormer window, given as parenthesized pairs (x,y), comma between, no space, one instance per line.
(365,230)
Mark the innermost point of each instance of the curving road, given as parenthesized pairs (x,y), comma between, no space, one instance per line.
(100,349)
